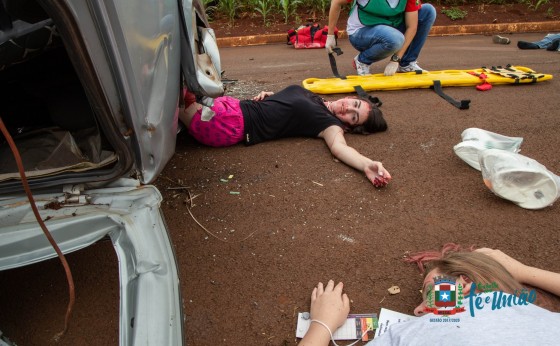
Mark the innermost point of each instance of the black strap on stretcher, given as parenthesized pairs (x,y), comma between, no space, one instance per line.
(334,69)
(463,104)
(362,93)
(510,72)
(359,90)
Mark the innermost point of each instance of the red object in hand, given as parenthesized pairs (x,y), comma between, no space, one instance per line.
(380,182)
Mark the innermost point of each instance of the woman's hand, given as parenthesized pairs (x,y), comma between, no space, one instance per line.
(262,95)
(377,174)
(329,305)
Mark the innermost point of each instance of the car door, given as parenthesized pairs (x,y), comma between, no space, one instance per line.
(200,58)
(141,41)
(148,45)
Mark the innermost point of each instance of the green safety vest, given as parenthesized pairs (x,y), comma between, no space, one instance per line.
(379,12)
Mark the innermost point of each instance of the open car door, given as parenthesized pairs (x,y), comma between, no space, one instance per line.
(200,58)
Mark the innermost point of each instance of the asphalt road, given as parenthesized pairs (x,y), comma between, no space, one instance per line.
(274,66)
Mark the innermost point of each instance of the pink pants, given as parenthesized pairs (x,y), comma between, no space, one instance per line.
(224,129)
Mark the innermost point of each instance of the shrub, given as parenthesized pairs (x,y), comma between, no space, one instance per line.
(454,13)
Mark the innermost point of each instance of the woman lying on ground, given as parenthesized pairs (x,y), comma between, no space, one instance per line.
(499,313)
(292,112)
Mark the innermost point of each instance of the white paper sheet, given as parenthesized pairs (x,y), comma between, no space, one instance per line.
(389,317)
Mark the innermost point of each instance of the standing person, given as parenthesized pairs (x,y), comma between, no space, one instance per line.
(292,112)
(384,28)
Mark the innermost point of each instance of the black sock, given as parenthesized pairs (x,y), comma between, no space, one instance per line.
(527,45)
(554,45)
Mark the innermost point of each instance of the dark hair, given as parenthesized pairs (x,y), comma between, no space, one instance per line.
(374,122)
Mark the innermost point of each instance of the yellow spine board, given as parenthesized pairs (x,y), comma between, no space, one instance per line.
(411,80)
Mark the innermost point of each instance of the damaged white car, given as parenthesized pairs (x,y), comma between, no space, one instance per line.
(91,94)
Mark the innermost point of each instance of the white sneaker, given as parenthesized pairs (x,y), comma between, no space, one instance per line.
(413,66)
(361,68)
(500,39)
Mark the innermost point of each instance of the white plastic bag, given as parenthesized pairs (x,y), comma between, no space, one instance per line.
(519,179)
(475,140)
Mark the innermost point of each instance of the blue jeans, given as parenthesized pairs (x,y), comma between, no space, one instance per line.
(547,40)
(378,42)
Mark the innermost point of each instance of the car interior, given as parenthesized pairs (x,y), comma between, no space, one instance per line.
(44,106)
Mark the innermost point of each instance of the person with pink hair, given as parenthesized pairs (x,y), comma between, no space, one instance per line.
(511,320)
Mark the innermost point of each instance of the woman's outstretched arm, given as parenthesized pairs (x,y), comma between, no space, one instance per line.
(540,278)
(374,170)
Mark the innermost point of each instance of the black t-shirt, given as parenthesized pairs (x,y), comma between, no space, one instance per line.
(292,112)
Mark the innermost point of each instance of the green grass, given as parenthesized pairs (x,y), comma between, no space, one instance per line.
(454,13)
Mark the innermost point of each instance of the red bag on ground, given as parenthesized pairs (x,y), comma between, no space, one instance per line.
(309,36)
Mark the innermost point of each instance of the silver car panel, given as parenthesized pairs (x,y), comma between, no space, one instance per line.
(150,304)
(141,44)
